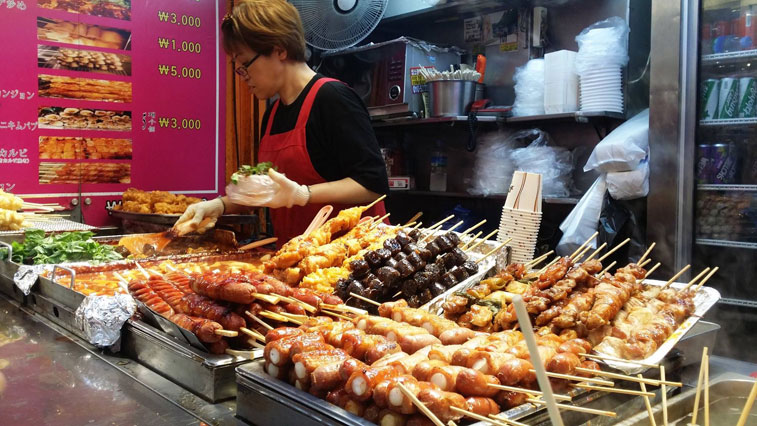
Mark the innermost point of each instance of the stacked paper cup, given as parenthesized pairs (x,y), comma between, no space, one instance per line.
(521,216)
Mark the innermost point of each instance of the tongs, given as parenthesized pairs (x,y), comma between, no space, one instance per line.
(136,243)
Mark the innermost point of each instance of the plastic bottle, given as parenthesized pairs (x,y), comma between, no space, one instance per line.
(438,178)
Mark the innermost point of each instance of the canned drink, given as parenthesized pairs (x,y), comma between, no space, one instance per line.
(728,98)
(725,164)
(747,97)
(710,95)
(704,158)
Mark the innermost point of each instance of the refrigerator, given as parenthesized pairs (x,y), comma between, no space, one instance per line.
(702,206)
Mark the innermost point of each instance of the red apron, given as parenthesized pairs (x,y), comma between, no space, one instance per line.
(288,151)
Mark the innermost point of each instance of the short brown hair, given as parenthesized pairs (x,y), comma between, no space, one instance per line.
(262,25)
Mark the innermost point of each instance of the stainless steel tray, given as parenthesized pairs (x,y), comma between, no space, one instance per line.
(263,400)
(728,394)
(7,271)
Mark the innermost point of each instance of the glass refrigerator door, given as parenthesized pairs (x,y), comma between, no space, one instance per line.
(725,217)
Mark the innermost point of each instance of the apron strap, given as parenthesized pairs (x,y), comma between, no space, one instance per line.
(270,118)
(302,118)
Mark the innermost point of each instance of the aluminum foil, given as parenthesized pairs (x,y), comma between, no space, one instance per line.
(27,275)
(101,317)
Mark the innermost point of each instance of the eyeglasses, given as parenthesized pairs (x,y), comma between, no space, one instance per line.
(242,71)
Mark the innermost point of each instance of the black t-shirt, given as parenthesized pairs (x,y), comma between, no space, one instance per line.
(340,139)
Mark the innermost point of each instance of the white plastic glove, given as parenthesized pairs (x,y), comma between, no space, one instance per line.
(288,194)
(199,216)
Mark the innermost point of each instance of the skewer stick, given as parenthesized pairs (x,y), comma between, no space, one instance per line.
(421,407)
(613,390)
(379,221)
(541,271)
(455,226)
(436,226)
(538,260)
(607,269)
(646,253)
(610,375)
(474,227)
(227,333)
(558,397)
(414,219)
(577,378)
(241,354)
(664,392)
(494,250)
(273,300)
(258,320)
(344,308)
(581,247)
(649,272)
(417,225)
(748,406)
(706,391)
(695,279)
(120,277)
(706,278)
(508,421)
(306,306)
(365,299)
(576,408)
(596,252)
(279,317)
(482,240)
(644,263)
(609,358)
(340,316)
(142,270)
(646,402)
(252,333)
(695,413)
(472,239)
(533,349)
(675,277)
(376,201)
(581,254)
(473,415)
(614,249)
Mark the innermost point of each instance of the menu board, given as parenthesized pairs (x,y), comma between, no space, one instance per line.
(99,96)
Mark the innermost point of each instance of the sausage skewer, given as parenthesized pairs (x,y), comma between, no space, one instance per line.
(422,407)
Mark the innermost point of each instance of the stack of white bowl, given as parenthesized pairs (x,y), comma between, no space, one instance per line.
(601,89)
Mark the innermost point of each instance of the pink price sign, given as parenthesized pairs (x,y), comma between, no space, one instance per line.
(103,95)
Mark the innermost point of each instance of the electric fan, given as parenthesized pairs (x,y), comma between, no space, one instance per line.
(338,24)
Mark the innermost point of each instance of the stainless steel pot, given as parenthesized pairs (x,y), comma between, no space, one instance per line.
(450,98)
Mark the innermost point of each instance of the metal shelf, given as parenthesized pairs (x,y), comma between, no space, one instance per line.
(729,122)
(726,243)
(577,116)
(451,10)
(723,187)
(721,58)
(501,197)
(738,302)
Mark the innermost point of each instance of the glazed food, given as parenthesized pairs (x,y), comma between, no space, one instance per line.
(82,34)
(51,86)
(160,202)
(50,173)
(85,119)
(83,60)
(117,9)
(76,148)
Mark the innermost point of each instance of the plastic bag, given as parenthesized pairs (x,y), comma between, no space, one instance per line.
(624,148)
(620,220)
(555,164)
(493,171)
(602,44)
(529,88)
(629,185)
(582,222)
(252,190)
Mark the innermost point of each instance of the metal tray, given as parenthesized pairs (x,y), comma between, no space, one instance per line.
(8,269)
(728,395)
(151,222)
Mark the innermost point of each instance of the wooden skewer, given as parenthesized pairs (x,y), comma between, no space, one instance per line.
(421,407)
(508,421)
(241,354)
(706,278)
(581,247)
(259,243)
(344,308)
(255,344)
(258,320)
(455,226)
(142,270)
(273,300)
(558,397)
(344,317)
(664,392)
(541,271)
(120,277)
(707,390)
(494,250)
(482,240)
(695,279)
(279,317)
(614,249)
(306,306)
(577,378)
(695,413)
(474,227)
(652,382)
(609,358)
(646,402)
(436,226)
(538,260)
(576,408)
(596,252)
(417,225)
(646,253)
(380,221)
(227,333)
(472,239)
(649,272)
(478,416)
(396,295)
(675,277)
(607,269)
(365,299)
(252,333)
(748,405)
(376,201)
(614,390)
(581,254)
(414,219)
(644,263)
